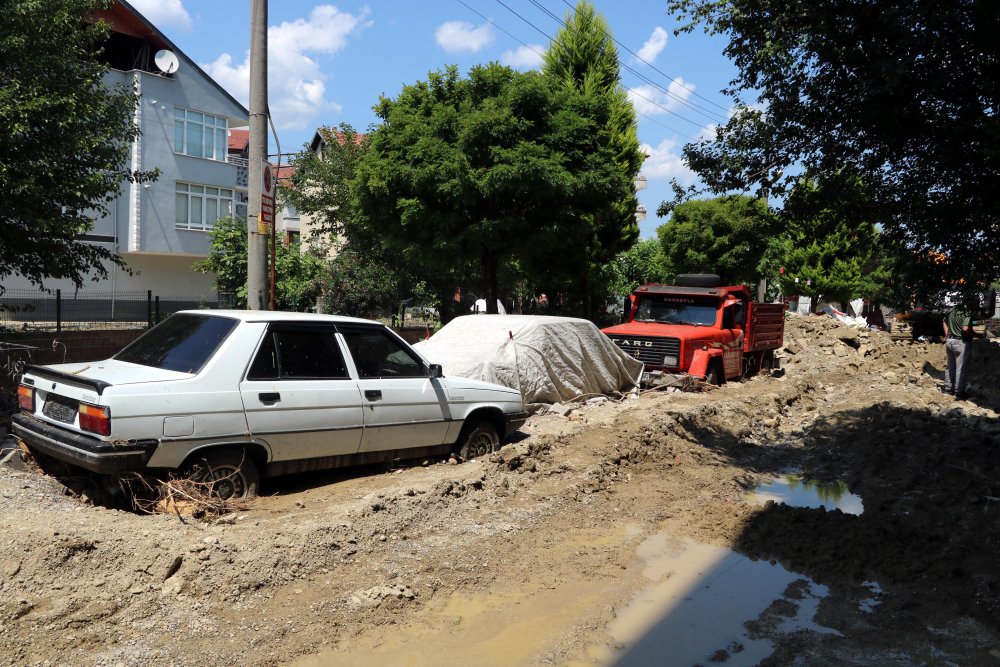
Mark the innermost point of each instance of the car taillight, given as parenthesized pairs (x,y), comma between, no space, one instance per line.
(26,397)
(95,419)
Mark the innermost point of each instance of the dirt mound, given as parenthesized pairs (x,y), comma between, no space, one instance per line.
(372,558)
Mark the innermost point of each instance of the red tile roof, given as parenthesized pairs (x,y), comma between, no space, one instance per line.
(239,139)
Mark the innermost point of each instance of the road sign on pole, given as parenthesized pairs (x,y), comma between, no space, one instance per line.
(266,218)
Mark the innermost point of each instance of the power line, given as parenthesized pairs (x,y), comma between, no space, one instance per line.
(694,107)
(552,41)
(656,69)
(634,72)
(707,113)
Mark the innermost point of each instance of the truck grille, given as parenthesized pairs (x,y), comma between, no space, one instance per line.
(650,350)
(60,408)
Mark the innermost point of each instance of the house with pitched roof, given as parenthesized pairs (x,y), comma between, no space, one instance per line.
(187,121)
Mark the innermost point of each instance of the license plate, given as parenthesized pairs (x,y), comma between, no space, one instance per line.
(60,408)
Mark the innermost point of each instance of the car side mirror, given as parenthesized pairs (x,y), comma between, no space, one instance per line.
(435,371)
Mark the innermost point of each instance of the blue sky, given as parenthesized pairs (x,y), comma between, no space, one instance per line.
(329,63)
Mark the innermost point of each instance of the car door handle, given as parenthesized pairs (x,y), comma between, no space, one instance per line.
(373,394)
(269,397)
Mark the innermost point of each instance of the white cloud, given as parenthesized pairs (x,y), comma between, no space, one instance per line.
(665,163)
(164,13)
(296,88)
(652,101)
(458,36)
(656,42)
(526,57)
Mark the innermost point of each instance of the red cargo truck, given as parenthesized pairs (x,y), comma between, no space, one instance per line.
(701,328)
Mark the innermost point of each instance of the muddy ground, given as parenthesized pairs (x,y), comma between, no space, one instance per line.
(540,553)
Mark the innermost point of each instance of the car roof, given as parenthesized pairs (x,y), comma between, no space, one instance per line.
(277,316)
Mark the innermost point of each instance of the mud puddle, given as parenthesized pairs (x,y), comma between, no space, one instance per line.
(511,623)
(796,491)
(707,604)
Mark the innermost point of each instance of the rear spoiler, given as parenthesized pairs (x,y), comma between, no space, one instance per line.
(41,371)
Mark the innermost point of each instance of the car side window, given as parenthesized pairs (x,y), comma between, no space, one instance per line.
(379,355)
(265,364)
(299,354)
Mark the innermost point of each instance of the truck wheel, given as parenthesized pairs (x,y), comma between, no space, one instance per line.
(713,376)
(228,473)
(478,439)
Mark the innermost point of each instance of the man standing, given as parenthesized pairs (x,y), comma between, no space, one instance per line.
(958,348)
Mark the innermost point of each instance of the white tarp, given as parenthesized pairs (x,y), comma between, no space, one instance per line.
(550,359)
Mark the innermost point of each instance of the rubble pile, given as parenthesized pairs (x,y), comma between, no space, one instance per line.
(823,346)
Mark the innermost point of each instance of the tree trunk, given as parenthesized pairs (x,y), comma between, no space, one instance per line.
(490,278)
(446,309)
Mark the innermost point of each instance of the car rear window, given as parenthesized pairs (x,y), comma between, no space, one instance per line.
(183,342)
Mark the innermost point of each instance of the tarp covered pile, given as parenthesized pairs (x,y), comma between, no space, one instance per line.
(550,359)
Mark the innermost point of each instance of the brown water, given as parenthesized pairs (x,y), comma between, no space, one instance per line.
(692,609)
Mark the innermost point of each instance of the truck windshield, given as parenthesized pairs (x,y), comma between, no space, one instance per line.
(181,342)
(669,309)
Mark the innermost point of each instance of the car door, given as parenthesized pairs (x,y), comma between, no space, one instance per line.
(403,407)
(299,396)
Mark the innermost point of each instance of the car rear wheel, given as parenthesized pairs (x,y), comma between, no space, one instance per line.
(478,439)
(227,473)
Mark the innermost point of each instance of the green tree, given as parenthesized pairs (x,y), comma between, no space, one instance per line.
(583,57)
(830,246)
(297,274)
(727,235)
(498,167)
(366,278)
(904,94)
(64,140)
(641,264)
(360,285)
(320,184)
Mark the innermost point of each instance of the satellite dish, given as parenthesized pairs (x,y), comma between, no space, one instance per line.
(166,61)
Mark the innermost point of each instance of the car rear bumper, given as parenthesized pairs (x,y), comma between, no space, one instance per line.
(514,421)
(83,451)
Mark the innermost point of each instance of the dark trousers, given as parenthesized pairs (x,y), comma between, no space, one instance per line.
(959,353)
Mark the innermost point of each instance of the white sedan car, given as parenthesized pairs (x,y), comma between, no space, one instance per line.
(236,395)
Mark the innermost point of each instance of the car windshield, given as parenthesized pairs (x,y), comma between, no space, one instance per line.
(182,342)
(669,309)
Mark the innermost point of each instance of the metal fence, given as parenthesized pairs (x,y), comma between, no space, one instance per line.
(59,310)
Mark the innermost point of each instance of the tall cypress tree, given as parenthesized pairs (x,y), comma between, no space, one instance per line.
(584,58)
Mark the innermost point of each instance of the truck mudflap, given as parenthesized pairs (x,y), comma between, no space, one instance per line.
(82,451)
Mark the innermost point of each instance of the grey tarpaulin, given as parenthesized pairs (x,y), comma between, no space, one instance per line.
(550,359)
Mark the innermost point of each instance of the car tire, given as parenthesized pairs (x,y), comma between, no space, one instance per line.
(230,473)
(713,376)
(478,439)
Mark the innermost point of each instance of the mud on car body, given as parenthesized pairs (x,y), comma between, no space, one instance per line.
(244,394)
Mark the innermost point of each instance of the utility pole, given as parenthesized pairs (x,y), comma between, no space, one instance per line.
(256,233)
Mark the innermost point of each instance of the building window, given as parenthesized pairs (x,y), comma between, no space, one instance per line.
(200,134)
(200,206)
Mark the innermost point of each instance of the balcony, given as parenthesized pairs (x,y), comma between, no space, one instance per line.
(242,170)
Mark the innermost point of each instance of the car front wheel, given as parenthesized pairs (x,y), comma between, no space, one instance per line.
(478,439)
(227,474)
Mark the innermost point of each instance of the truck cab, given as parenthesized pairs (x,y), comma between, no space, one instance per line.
(700,327)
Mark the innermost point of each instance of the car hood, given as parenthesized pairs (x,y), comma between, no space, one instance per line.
(116,372)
